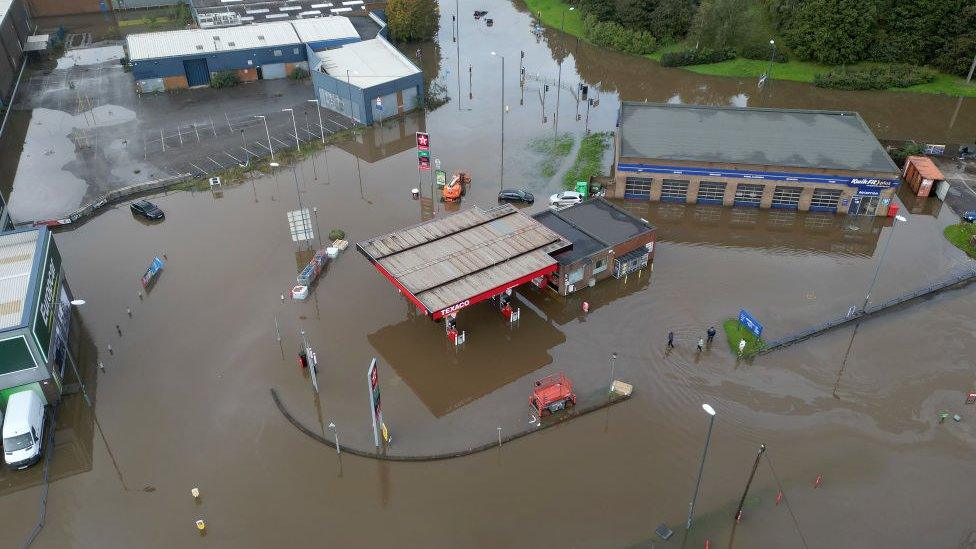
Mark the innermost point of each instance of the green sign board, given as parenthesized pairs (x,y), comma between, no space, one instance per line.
(423,154)
(440,177)
(46,299)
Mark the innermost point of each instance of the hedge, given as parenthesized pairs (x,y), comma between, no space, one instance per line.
(612,35)
(761,52)
(880,77)
(702,56)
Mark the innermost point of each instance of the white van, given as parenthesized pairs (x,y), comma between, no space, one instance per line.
(23,429)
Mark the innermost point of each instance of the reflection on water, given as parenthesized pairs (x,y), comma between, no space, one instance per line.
(393,137)
(784,231)
(494,355)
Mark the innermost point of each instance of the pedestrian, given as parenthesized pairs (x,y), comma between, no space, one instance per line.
(711,334)
(701,344)
(670,340)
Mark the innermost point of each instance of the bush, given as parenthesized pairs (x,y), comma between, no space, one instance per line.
(337,234)
(614,36)
(761,52)
(298,73)
(226,79)
(875,77)
(412,20)
(696,57)
(900,154)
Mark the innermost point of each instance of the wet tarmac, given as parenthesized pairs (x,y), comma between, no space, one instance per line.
(184,399)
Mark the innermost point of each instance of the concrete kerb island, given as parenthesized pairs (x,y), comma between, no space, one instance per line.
(590,402)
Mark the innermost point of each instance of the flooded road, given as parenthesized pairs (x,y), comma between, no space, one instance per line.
(184,400)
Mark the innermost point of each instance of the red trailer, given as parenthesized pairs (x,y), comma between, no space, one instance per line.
(552,393)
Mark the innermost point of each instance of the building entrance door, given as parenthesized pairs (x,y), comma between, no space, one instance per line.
(863,205)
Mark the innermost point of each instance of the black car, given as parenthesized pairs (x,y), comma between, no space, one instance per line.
(147,209)
(516,195)
(969,217)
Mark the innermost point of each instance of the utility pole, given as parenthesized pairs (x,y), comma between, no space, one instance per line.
(755,465)
(559,81)
(501,176)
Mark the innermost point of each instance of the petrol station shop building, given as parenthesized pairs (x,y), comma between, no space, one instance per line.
(826,161)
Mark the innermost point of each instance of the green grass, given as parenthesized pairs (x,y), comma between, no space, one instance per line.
(589,159)
(796,71)
(734,332)
(553,152)
(551,13)
(960,235)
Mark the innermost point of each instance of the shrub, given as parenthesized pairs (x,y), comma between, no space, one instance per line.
(696,57)
(224,79)
(298,73)
(874,77)
(761,52)
(908,149)
(412,20)
(337,234)
(614,36)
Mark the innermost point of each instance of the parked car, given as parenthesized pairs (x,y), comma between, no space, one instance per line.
(23,429)
(147,209)
(516,195)
(969,217)
(565,198)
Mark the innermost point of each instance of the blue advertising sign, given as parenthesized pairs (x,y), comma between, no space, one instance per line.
(154,268)
(750,322)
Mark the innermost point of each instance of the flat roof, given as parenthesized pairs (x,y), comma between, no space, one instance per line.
(584,244)
(318,29)
(369,63)
(604,222)
(17,252)
(738,135)
(459,257)
(154,45)
(259,11)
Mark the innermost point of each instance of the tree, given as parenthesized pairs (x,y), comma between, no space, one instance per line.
(671,19)
(412,20)
(834,32)
(722,24)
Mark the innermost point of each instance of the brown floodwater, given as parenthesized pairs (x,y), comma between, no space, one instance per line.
(184,400)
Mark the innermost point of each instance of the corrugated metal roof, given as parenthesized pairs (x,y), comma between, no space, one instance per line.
(324,28)
(454,258)
(926,167)
(5,7)
(16,262)
(369,63)
(764,137)
(155,45)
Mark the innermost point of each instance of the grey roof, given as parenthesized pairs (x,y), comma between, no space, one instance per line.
(16,267)
(369,63)
(584,245)
(765,137)
(604,221)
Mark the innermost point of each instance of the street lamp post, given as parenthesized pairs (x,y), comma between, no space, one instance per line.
(701,467)
(335,432)
(884,252)
(298,143)
(559,79)
(772,58)
(270,147)
(501,176)
(613,358)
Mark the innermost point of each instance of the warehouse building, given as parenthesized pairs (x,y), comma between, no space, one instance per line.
(367,81)
(606,241)
(35,314)
(15,27)
(766,158)
(221,13)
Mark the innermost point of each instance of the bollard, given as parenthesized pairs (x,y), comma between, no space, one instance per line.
(499,437)
(779,497)
(818,482)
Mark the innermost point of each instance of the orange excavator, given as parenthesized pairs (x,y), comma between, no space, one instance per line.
(457,188)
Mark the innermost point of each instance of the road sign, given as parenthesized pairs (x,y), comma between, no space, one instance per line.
(300,225)
(423,141)
(750,323)
(424,163)
(441,177)
(423,154)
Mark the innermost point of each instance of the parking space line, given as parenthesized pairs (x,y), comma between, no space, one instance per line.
(234,157)
(219,165)
(201,170)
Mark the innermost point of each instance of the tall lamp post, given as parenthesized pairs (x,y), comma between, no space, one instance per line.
(325,150)
(559,79)
(701,467)
(884,252)
(772,58)
(270,147)
(294,124)
(501,176)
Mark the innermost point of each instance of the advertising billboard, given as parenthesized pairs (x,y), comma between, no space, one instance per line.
(46,299)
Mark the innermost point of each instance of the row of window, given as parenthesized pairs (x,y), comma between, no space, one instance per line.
(746,194)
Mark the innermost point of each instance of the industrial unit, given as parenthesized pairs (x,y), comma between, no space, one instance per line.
(221,13)
(367,81)
(770,158)
(606,241)
(15,28)
(35,314)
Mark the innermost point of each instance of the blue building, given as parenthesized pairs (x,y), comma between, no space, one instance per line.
(366,81)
